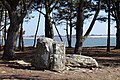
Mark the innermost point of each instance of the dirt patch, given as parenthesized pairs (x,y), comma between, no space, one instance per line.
(109,67)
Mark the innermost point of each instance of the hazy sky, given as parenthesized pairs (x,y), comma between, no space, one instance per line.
(30,27)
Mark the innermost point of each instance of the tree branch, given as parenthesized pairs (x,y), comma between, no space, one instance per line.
(7,5)
(54,5)
(40,12)
(93,21)
(51,2)
(24,5)
(25,11)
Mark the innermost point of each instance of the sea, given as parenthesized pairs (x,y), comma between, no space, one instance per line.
(91,41)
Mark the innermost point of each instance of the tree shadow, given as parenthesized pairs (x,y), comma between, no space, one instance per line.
(20,77)
(111,59)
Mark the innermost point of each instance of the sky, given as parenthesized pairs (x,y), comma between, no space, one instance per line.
(99,28)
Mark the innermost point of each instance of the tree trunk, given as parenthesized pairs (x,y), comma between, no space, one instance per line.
(90,27)
(37,30)
(68,39)
(48,27)
(57,31)
(108,39)
(5,25)
(118,26)
(1,17)
(15,19)
(70,33)
(79,26)
(21,43)
(11,37)
(70,20)
(118,36)
(93,21)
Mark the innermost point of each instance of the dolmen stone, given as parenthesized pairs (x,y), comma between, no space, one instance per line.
(49,55)
(75,60)
(58,56)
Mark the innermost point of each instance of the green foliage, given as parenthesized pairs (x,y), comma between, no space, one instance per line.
(64,11)
(67,9)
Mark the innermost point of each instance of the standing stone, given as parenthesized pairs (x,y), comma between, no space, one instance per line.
(49,55)
(58,63)
(42,56)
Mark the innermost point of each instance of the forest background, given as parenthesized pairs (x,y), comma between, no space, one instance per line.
(71,13)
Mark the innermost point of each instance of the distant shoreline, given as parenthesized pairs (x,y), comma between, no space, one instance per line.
(96,36)
(100,36)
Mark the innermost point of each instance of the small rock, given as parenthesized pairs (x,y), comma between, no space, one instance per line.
(21,62)
(3,72)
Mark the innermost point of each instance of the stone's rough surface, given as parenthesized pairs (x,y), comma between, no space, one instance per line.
(49,55)
(42,55)
(58,62)
(80,61)
(48,44)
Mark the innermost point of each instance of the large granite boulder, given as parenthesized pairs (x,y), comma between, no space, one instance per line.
(41,58)
(49,55)
(75,60)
